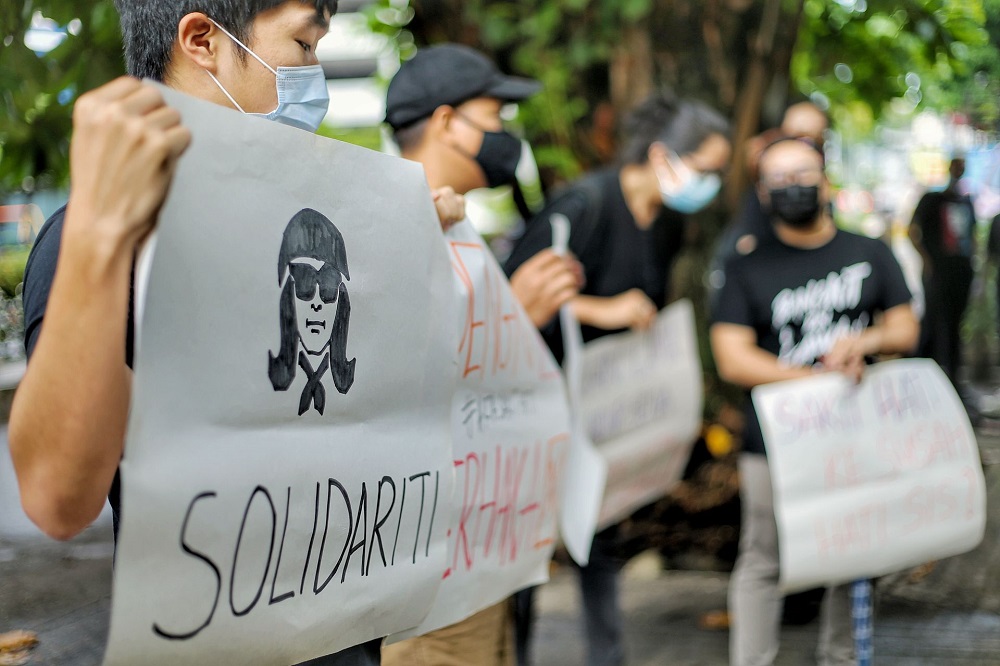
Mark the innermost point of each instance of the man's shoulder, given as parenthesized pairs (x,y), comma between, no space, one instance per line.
(46,248)
(863,245)
(39,273)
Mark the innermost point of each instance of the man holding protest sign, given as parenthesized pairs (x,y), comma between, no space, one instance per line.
(819,300)
(620,222)
(68,423)
(444,109)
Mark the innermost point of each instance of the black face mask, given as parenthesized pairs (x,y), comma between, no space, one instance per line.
(795,205)
(498,156)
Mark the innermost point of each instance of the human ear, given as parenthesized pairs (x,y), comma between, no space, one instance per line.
(199,40)
(443,118)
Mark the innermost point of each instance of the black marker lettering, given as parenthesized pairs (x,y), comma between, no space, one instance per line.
(317,588)
(281,549)
(204,558)
(236,555)
(379,522)
(312,538)
(423,492)
(402,505)
(430,530)
(362,510)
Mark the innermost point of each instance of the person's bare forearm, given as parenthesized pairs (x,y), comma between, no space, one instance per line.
(67,424)
(756,366)
(630,309)
(898,333)
(740,361)
(591,310)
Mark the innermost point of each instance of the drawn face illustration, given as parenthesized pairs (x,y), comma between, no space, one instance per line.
(316,286)
(314,310)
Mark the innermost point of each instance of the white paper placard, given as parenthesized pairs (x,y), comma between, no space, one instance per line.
(510,426)
(870,479)
(642,405)
(291,274)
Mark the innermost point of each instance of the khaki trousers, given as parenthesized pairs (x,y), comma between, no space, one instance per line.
(755,603)
(484,639)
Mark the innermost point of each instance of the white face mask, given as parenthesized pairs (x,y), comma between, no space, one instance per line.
(694,192)
(303,98)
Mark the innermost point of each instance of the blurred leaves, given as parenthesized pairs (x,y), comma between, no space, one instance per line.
(894,57)
(867,57)
(37,91)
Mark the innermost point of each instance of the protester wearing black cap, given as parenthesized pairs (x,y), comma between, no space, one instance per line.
(444,109)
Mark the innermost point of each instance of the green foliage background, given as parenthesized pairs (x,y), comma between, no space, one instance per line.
(35,125)
(706,49)
(702,48)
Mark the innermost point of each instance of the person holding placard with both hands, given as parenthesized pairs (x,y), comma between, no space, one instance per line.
(817,300)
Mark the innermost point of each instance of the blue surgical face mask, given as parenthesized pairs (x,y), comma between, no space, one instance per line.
(696,190)
(303,98)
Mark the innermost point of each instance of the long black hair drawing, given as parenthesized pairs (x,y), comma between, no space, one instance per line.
(314,311)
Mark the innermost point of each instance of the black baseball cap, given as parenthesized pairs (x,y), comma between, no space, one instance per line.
(448,74)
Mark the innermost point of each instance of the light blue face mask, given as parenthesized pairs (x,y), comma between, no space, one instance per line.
(696,191)
(303,98)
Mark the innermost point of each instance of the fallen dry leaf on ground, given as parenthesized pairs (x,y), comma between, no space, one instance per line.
(16,646)
(17,641)
(18,658)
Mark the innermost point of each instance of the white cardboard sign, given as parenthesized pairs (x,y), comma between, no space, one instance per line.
(870,479)
(288,463)
(642,405)
(510,428)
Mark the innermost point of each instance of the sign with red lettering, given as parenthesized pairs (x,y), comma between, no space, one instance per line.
(870,479)
(510,438)
(641,401)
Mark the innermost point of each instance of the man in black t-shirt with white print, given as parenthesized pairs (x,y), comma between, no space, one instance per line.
(819,300)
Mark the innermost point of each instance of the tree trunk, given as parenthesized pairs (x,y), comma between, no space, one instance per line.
(631,70)
(768,58)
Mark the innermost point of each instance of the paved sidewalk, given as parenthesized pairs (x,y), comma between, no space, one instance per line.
(951,616)
(662,611)
(64,595)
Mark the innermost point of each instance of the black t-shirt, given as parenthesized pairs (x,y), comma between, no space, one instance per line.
(799,302)
(38,275)
(947,222)
(615,253)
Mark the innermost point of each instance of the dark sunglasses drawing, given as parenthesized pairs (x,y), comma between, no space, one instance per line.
(314,311)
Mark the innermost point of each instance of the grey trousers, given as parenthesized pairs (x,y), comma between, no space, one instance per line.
(755,604)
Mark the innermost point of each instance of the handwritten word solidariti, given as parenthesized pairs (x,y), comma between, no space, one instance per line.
(353,532)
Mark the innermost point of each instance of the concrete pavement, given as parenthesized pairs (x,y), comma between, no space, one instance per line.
(951,616)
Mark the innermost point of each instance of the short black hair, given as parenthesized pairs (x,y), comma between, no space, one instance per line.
(682,125)
(149,27)
(409,137)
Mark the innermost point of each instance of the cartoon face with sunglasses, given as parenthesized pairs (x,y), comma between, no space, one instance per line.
(316,289)
(315,310)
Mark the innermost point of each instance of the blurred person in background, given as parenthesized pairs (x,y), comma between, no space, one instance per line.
(751,226)
(763,333)
(943,230)
(670,167)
